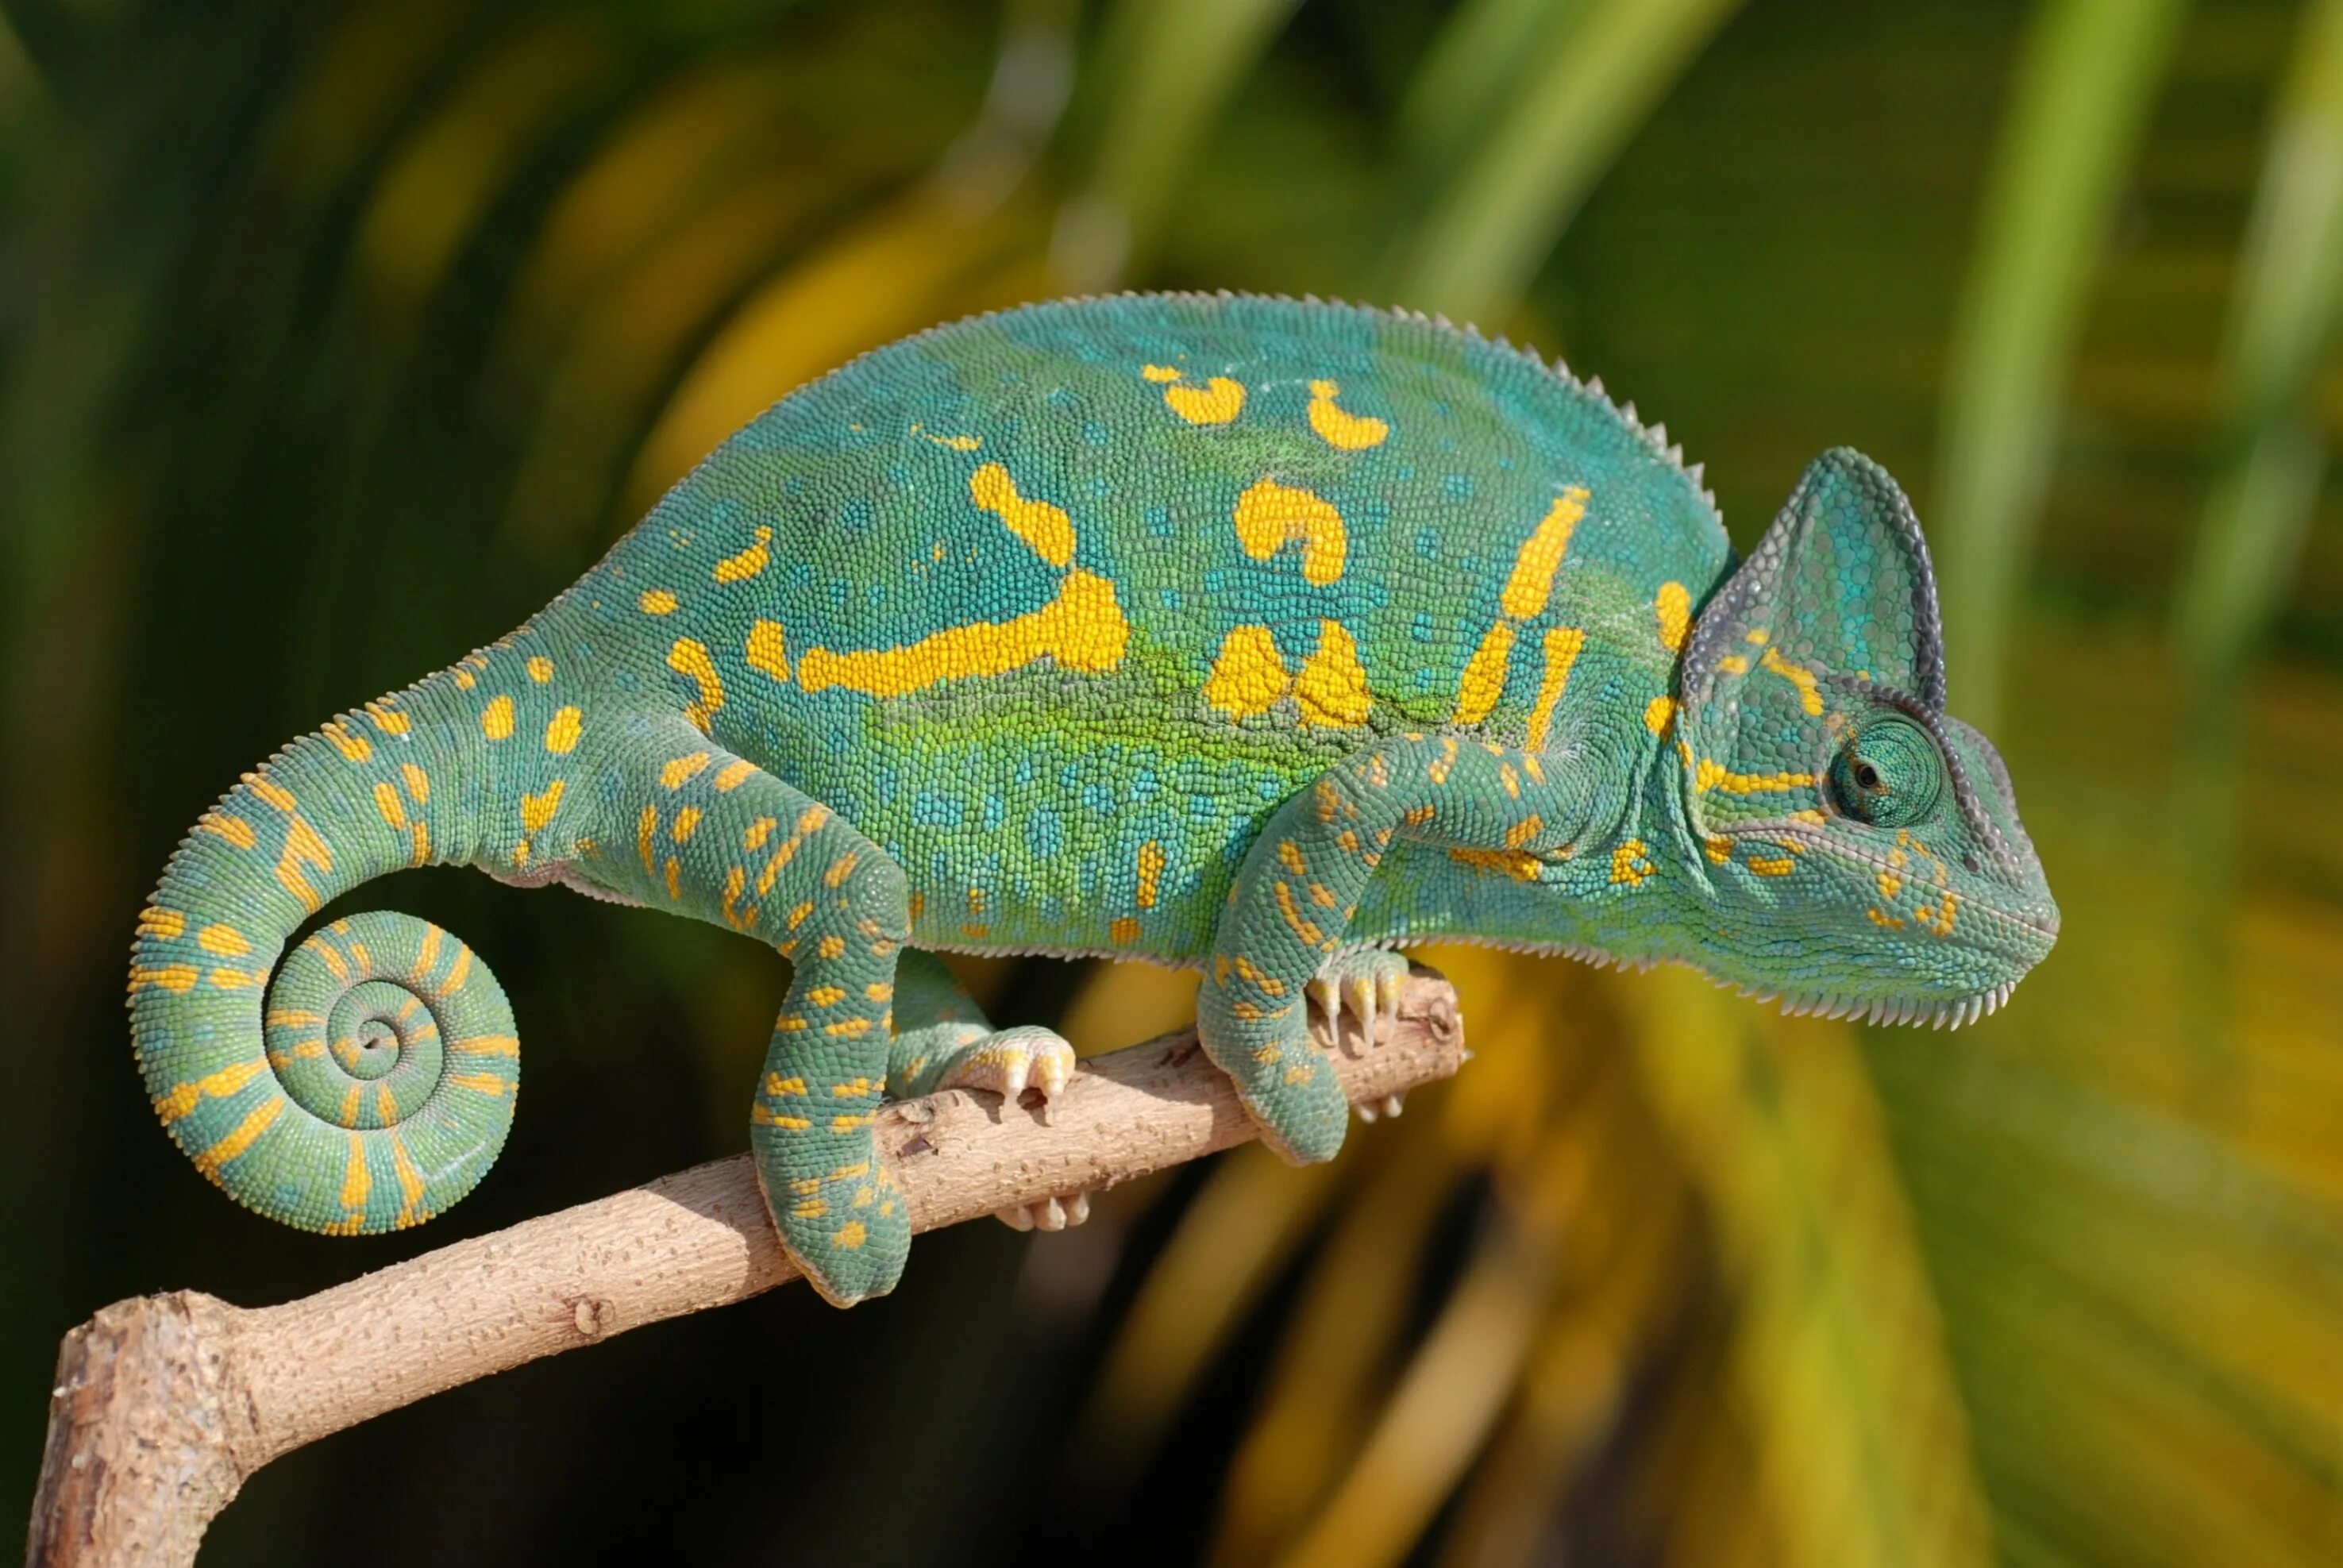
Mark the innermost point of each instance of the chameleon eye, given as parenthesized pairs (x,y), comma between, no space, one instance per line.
(1889,774)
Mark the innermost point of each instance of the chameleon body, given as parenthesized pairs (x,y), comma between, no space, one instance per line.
(1249,634)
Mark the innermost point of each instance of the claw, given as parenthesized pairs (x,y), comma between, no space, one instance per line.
(1366,1110)
(1323,991)
(1055,1213)
(1393,1104)
(1359,996)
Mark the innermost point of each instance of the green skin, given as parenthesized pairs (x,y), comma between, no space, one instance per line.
(1245,634)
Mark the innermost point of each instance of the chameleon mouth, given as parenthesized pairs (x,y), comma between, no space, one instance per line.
(1935,1015)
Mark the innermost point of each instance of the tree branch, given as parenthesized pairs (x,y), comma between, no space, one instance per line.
(164,1405)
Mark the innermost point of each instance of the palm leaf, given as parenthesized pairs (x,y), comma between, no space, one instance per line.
(2088,77)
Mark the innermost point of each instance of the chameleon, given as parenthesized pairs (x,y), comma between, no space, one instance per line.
(1260,636)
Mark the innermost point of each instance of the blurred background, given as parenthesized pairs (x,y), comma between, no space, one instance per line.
(336,338)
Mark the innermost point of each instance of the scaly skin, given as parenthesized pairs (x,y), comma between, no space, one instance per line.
(1232,632)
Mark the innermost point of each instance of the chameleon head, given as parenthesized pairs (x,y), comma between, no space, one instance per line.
(1859,849)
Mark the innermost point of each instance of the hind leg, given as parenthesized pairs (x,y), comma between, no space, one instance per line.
(943,1041)
(711,835)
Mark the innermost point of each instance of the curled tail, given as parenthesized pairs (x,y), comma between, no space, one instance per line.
(370,1082)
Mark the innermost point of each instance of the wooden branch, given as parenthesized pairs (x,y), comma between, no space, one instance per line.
(164,1404)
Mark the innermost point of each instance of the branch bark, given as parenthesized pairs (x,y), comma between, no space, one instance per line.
(164,1405)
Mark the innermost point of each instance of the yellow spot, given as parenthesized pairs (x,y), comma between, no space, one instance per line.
(1734,664)
(689,658)
(767,650)
(1332,687)
(1674,608)
(1247,676)
(389,721)
(1270,515)
(1150,872)
(537,810)
(1810,695)
(682,770)
(826,995)
(1046,529)
(760,1117)
(1083,629)
(1290,857)
(245,1133)
(757,832)
(1881,918)
(848,1237)
(302,848)
(1562,646)
(354,746)
(1484,680)
(839,870)
(674,880)
(732,775)
(465,680)
(644,827)
(540,669)
(234,830)
(1123,932)
(776,1085)
(1306,929)
(1766,866)
(810,1209)
(1541,554)
(562,731)
(687,823)
(224,941)
(1891,886)
(1628,864)
(1709,774)
(486,1083)
(170,978)
(1345,432)
(1510,862)
(657,601)
(1217,402)
(497,718)
(1717,847)
(164,923)
(392,809)
(830,947)
(1657,712)
(419,783)
(957,443)
(275,794)
(850,1122)
(1522,832)
(748,562)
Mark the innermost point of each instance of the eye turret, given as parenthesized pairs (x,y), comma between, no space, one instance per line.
(1888,773)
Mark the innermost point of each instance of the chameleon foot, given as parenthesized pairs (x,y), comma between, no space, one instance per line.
(1365,983)
(1009,1062)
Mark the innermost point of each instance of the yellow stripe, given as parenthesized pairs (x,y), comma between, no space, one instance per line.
(245,1133)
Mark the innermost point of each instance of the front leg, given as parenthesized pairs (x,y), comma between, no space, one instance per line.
(1300,885)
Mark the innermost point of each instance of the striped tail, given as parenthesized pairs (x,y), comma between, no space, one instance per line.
(370,1083)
